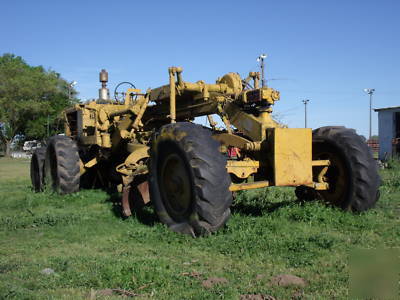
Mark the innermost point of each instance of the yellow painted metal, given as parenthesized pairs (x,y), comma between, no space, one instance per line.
(242,168)
(134,147)
(132,166)
(269,95)
(256,79)
(321,175)
(279,156)
(105,140)
(233,81)
(319,186)
(91,163)
(224,118)
(91,140)
(291,156)
(248,186)
(321,163)
(128,95)
(95,119)
(143,105)
(82,169)
(138,154)
(212,122)
(229,84)
(253,146)
(84,166)
(228,139)
(172,92)
(254,127)
(321,183)
(323,186)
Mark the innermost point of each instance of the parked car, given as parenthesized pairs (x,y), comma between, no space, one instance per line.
(30,146)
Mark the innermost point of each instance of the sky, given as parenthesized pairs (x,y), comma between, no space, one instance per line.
(321,50)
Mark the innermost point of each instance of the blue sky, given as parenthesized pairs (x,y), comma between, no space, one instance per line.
(325,51)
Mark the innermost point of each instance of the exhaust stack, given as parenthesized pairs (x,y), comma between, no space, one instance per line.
(104,93)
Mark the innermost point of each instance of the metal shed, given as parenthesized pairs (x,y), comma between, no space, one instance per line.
(389,131)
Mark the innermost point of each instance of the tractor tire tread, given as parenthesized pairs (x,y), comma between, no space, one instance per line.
(68,169)
(364,180)
(211,181)
(36,168)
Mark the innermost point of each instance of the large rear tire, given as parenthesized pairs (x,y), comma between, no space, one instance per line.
(188,181)
(37,164)
(353,173)
(62,171)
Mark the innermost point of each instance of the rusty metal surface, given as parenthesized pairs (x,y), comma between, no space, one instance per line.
(126,208)
(143,189)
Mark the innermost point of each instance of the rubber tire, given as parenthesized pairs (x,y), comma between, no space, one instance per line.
(209,181)
(363,180)
(36,170)
(62,171)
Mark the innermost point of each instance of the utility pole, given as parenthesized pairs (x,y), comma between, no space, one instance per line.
(370,92)
(305,111)
(261,60)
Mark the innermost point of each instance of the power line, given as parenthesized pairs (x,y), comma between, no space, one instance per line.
(289,109)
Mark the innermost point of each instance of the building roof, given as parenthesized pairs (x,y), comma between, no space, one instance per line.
(387,108)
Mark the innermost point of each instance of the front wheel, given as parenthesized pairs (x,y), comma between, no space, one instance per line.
(37,164)
(353,173)
(188,181)
(61,166)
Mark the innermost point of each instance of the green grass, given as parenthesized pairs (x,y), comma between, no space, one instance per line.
(90,248)
(13,169)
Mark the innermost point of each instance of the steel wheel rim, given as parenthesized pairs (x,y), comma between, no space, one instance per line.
(175,186)
(337,178)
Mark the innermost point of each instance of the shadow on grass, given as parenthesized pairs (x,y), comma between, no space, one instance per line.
(257,210)
(144,214)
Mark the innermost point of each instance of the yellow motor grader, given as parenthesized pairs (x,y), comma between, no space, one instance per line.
(147,145)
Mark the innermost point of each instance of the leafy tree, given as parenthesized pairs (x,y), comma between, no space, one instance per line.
(31,99)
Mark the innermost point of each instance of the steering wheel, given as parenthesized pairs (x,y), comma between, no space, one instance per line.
(119,96)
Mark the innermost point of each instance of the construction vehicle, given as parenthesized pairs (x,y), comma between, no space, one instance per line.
(147,145)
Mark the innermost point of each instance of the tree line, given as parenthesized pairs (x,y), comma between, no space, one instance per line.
(31,100)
